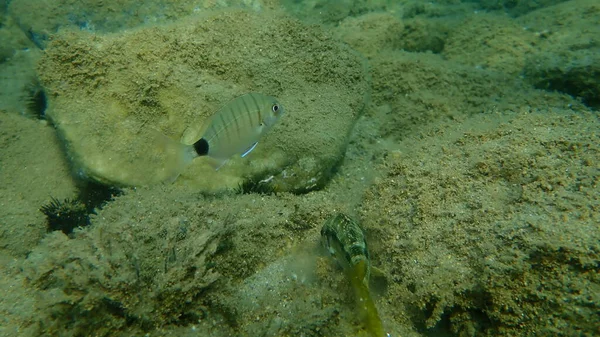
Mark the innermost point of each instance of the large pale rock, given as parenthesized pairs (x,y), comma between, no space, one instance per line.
(111,96)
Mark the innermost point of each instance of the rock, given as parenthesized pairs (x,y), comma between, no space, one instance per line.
(33,171)
(491,42)
(168,257)
(411,90)
(111,95)
(500,205)
(567,58)
(371,33)
(94,16)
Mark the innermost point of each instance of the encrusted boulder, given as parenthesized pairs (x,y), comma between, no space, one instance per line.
(114,97)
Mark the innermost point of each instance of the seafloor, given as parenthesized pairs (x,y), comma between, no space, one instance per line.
(463,135)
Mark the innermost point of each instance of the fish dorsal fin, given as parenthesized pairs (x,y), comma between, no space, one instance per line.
(249,149)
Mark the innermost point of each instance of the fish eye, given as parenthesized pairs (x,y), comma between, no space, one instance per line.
(275,107)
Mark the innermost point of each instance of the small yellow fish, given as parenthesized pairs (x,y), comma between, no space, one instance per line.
(345,240)
(234,129)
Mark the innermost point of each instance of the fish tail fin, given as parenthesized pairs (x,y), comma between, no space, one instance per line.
(365,304)
(176,156)
(368,312)
(184,157)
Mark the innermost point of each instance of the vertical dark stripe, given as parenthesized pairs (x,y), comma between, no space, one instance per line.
(247,109)
(214,134)
(236,114)
(224,125)
(257,109)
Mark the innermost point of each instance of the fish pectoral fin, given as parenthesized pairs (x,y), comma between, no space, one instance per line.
(220,164)
(217,163)
(249,149)
(378,282)
(376,272)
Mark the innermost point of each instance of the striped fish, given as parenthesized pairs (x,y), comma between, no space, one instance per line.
(237,127)
(234,129)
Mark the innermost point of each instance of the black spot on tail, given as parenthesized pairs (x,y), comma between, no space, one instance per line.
(201,147)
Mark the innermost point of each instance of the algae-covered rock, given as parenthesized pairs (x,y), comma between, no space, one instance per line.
(489,226)
(30,175)
(411,90)
(39,19)
(491,42)
(112,96)
(567,58)
(517,7)
(371,33)
(165,260)
(133,275)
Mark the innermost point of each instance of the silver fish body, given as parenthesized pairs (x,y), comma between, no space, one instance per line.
(237,127)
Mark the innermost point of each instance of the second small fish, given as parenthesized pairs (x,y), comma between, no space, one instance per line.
(345,239)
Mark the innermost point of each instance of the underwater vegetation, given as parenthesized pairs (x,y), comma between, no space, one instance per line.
(256,185)
(96,195)
(35,99)
(68,214)
(65,215)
